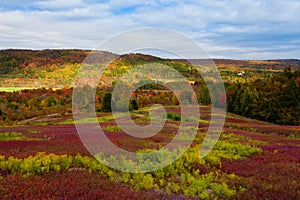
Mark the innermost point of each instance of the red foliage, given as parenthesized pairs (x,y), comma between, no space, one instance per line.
(273,174)
(75,184)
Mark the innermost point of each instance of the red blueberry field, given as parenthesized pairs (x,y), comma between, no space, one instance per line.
(251,160)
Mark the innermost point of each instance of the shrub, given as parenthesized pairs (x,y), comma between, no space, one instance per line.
(112,128)
(196,188)
(173,116)
(222,190)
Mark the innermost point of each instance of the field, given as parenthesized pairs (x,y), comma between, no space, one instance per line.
(42,156)
(252,160)
(13,89)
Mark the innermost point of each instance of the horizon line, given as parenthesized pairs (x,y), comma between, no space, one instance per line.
(88,49)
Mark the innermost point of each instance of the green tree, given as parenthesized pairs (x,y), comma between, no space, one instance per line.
(106,105)
(134,104)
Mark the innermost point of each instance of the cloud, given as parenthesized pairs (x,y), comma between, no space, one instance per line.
(58,4)
(232,29)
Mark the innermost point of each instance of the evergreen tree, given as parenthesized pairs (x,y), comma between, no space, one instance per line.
(134,104)
(106,106)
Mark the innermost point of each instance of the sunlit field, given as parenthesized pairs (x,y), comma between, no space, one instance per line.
(251,159)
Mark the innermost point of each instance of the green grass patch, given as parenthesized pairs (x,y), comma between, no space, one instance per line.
(252,130)
(89,120)
(32,131)
(112,129)
(142,119)
(14,89)
(202,121)
(216,114)
(294,136)
(8,136)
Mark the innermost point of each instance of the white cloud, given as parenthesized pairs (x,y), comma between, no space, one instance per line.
(58,4)
(242,29)
(236,29)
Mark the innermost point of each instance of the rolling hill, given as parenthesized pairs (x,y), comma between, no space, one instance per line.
(57,68)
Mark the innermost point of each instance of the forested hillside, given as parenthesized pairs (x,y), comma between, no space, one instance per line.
(57,68)
(275,100)
(26,63)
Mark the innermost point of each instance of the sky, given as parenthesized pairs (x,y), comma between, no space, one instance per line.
(241,29)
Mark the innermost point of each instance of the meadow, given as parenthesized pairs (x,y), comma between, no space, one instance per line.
(252,159)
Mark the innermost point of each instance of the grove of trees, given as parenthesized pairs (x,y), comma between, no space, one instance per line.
(275,100)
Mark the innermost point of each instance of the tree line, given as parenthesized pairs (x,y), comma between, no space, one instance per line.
(276,99)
